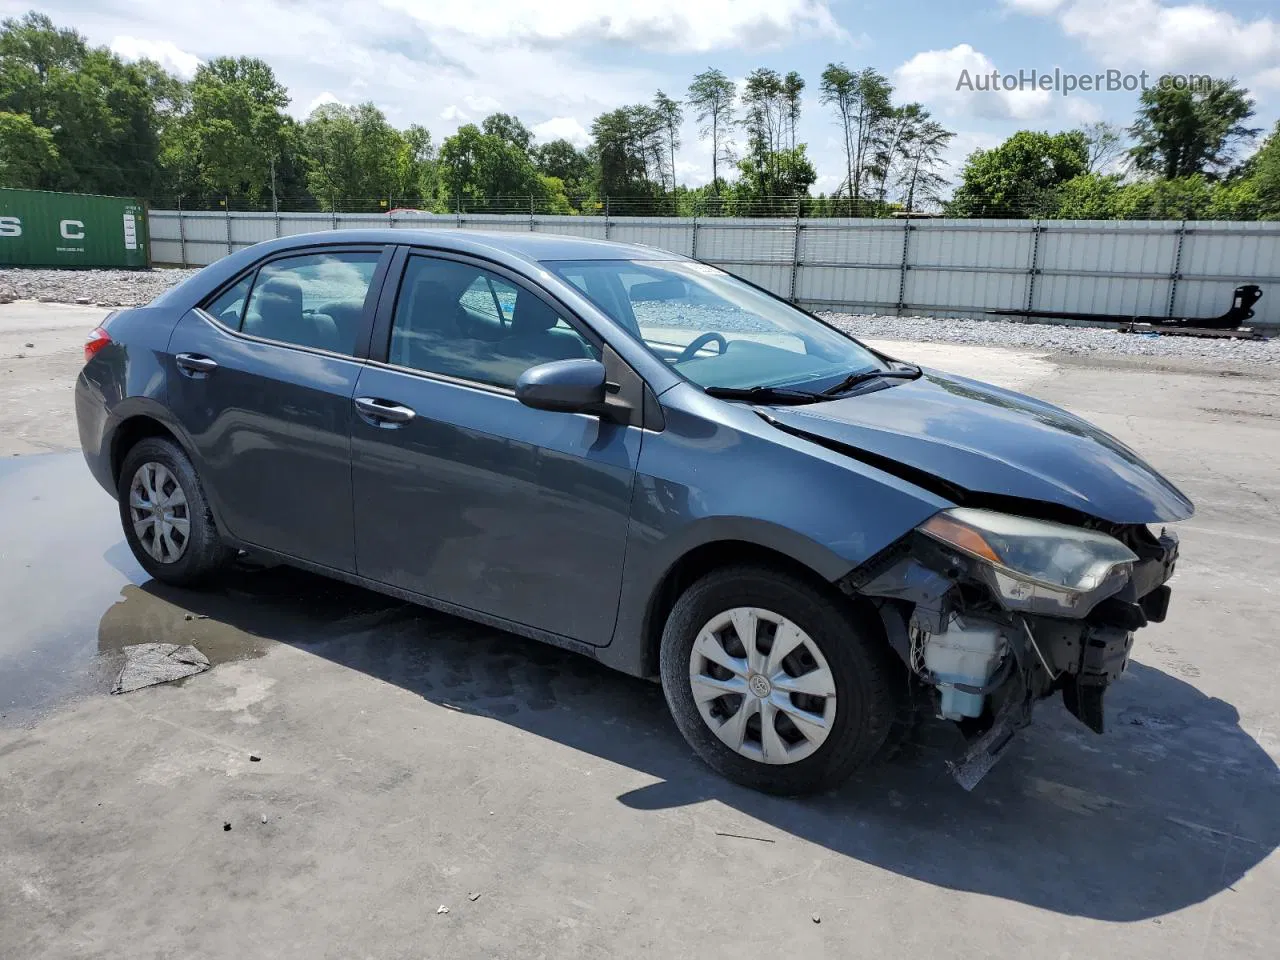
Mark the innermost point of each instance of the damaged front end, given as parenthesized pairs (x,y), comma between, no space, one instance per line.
(994,611)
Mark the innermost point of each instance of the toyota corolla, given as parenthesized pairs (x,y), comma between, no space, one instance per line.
(645,459)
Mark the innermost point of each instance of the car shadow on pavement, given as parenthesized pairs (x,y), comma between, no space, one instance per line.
(1173,805)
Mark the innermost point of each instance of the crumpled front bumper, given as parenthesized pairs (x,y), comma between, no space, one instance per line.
(1043,655)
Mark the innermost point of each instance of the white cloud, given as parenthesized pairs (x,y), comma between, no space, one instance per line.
(562,128)
(1081,110)
(958,82)
(1034,6)
(165,52)
(452,114)
(481,104)
(669,26)
(1164,37)
(321,100)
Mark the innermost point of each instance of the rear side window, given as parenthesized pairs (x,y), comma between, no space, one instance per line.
(228,308)
(315,300)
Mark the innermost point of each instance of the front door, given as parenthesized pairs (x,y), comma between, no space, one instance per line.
(262,380)
(464,494)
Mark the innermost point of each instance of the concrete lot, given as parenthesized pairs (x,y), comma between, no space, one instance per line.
(410,761)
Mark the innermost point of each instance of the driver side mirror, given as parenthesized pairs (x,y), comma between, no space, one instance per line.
(567,386)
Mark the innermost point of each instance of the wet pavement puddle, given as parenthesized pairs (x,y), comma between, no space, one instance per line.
(72,595)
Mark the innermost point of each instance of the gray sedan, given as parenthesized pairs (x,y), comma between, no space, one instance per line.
(645,459)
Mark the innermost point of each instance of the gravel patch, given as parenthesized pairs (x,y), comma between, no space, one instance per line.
(127,288)
(1053,338)
(103,288)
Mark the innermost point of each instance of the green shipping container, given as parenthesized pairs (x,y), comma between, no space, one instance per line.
(43,229)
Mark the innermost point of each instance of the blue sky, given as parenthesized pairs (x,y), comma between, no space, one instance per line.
(557,64)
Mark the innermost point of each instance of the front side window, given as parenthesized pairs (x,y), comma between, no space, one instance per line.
(315,300)
(463,321)
(713,328)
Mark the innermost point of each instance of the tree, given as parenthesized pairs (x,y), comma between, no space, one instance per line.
(562,161)
(1181,132)
(792,86)
(711,96)
(506,127)
(27,152)
(1263,174)
(899,126)
(1019,177)
(789,173)
(862,102)
(628,150)
(669,114)
(922,150)
(354,153)
(482,166)
(764,100)
(98,110)
(236,129)
(1104,145)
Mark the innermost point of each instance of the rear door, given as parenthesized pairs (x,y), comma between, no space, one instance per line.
(464,494)
(262,378)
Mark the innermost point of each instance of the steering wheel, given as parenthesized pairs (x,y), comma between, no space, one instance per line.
(691,351)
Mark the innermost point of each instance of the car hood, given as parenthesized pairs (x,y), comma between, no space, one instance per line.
(986,440)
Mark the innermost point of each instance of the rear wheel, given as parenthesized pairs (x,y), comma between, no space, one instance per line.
(166,518)
(777,684)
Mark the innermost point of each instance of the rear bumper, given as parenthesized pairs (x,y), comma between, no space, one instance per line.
(92,420)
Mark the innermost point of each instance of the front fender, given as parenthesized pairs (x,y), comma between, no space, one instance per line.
(719,472)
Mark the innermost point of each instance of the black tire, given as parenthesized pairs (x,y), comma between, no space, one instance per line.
(204,553)
(853,643)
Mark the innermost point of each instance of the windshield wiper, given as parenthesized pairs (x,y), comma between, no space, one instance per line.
(862,376)
(763,394)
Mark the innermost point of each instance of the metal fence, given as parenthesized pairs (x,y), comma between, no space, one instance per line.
(958,268)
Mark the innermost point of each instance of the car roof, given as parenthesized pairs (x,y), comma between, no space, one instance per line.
(528,246)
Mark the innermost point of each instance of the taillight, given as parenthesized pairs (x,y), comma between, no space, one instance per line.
(96,341)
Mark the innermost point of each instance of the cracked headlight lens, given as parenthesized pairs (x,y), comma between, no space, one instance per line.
(1035,565)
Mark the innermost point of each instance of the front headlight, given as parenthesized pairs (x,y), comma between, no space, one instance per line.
(1034,565)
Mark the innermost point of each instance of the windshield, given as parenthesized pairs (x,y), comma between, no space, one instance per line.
(713,328)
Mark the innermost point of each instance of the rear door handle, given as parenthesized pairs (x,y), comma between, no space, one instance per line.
(384,413)
(195,365)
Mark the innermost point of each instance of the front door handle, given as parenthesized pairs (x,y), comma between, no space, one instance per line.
(383,413)
(195,365)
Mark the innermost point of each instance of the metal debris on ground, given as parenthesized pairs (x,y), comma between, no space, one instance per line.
(743,836)
(196,616)
(147,664)
(817,919)
(254,759)
(442,909)
(473,896)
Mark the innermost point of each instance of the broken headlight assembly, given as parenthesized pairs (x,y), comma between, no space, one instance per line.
(1035,566)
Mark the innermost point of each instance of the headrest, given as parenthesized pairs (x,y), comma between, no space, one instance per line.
(531,315)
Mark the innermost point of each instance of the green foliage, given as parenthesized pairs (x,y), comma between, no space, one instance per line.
(474,165)
(780,173)
(1020,177)
(1181,132)
(76,117)
(98,110)
(628,152)
(863,104)
(27,152)
(508,128)
(561,160)
(234,131)
(711,96)
(1263,173)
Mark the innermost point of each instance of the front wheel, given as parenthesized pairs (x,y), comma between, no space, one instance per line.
(166,518)
(777,684)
